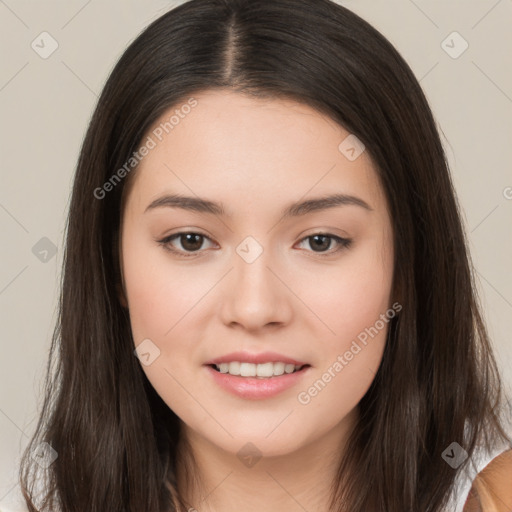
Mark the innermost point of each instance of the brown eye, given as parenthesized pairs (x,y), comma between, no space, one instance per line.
(322,242)
(190,242)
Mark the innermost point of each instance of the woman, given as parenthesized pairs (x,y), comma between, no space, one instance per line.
(267,299)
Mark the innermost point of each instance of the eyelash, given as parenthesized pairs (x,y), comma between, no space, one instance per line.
(344,243)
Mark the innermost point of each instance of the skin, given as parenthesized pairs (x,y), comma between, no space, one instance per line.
(491,490)
(256,157)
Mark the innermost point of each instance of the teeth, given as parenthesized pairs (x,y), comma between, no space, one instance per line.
(247,369)
(263,370)
(288,368)
(224,368)
(279,368)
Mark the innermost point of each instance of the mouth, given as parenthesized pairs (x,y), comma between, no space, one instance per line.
(251,381)
(268,370)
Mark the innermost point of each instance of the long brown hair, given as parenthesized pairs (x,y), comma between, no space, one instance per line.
(115,438)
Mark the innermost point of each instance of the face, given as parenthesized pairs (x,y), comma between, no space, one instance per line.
(247,274)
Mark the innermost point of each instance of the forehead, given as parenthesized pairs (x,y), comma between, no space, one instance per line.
(255,149)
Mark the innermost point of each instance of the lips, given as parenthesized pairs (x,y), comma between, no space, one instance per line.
(256,388)
(247,357)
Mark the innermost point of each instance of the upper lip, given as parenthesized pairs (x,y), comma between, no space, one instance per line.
(262,357)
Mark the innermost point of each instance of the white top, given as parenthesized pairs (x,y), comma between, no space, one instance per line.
(460,492)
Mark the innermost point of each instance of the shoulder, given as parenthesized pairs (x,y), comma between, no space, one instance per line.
(492,487)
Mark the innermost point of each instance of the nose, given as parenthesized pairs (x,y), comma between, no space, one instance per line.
(256,296)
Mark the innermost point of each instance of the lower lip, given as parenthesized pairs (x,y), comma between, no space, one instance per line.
(253,388)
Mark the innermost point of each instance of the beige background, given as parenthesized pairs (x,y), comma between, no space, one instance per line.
(45,105)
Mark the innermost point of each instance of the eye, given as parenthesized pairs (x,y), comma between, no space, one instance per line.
(190,242)
(322,241)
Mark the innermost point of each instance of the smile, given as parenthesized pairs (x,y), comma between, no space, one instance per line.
(261,370)
(253,386)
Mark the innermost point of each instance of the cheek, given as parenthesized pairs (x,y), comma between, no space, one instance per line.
(162,299)
(354,324)
(160,293)
(350,358)
(349,298)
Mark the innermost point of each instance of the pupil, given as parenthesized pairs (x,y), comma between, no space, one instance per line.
(191,246)
(325,238)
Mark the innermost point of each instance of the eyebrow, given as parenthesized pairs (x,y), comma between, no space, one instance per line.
(297,209)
